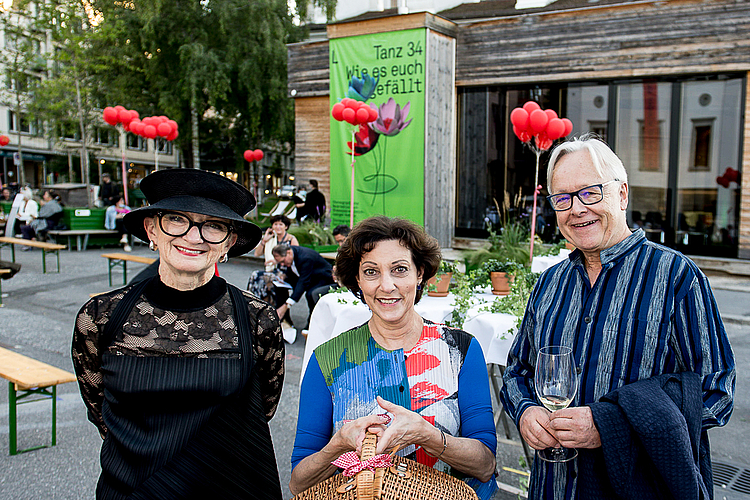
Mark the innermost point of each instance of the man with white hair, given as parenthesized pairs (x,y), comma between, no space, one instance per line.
(655,368)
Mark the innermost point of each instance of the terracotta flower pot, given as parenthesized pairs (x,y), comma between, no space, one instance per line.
(501,283)
(442,285)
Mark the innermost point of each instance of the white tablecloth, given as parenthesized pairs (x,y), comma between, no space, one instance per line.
(542,263)
(336,313)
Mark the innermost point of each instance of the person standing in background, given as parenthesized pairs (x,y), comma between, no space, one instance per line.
(314,207)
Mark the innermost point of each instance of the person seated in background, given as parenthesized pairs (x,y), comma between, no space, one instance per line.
(28,211)
(305,270)
(113,220)
(6,196)
(265,284)
(48,217)
(339,234)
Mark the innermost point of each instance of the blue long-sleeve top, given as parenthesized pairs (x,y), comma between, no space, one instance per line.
(443,378)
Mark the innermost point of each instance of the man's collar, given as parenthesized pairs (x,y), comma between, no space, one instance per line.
(615,251)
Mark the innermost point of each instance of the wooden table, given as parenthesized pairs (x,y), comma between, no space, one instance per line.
(46,248)
(81,235)
(26,377)
(121,260)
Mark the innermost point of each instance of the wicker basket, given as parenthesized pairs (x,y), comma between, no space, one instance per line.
(405,480)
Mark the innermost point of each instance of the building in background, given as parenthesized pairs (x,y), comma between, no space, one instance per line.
(664,83)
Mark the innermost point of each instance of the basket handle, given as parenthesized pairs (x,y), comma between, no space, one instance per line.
(365,478)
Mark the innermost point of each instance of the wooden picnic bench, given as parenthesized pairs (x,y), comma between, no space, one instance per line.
(81,235)
(46,248)
(26,377)
(121,260)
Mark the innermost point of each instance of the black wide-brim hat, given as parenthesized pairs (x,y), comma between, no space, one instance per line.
(200,192)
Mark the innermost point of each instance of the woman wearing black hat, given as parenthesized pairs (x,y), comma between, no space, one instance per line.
(181,372)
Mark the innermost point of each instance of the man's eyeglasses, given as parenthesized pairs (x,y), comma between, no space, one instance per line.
(176,224)
(589,195)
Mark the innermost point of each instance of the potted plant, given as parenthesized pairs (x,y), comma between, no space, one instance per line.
(438,285)
(498,273)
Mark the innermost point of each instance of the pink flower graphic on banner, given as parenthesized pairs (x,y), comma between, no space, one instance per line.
(391,118)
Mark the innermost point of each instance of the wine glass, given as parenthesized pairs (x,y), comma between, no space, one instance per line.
(556,383)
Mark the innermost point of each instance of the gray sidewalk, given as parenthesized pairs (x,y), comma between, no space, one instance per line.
(37,320)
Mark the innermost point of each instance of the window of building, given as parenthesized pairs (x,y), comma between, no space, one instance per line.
(137,143)
(700,158)
(164,146)
(26,125)
(106,137)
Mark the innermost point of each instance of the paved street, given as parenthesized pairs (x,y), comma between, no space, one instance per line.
(37,320)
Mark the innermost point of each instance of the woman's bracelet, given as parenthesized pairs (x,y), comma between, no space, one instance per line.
(445,444)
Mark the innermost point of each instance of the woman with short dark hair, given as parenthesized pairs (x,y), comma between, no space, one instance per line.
(418,385)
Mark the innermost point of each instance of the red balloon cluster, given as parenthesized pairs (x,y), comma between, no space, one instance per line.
(730,175)
(152,127)
(251,155)
(354,112)
(4,140)
(119,114)
(542,124)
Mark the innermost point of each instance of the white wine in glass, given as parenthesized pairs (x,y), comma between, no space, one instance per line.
(556,383)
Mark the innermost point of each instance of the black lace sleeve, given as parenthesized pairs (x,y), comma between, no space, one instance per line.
(87,359)
(269,353)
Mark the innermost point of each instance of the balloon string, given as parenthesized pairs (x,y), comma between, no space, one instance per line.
(533,215)
(351,197)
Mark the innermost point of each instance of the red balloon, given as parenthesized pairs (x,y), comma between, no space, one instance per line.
(149,131)
(350,116)
(351,104)
(110,115)
(123,116)
(173,124)
(538,121)
(519,117)
(373,114)
(134,114)
(338,111)
(136,126)
(248,155)
(555,128)
(723,181)
(163,129)
(568,127)
(551,113)
(173,135)
(4,140)
(543,142)
(363,116)
(531,106)
(258,155)
(147,120)
(523,135)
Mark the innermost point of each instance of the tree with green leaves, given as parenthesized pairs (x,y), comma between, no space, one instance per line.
(217,67)
(22,62)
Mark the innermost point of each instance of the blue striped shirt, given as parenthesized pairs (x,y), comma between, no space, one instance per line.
(650,311)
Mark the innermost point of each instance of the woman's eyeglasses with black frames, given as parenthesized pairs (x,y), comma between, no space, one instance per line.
(176,225)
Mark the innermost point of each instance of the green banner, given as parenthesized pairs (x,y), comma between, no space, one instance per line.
(385,70)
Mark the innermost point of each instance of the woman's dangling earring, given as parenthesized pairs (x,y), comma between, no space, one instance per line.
(224,258)
(151,246)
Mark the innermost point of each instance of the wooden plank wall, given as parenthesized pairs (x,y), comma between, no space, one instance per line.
(744,229)
(440,140)
(632,39)
(307,69)
(312,155)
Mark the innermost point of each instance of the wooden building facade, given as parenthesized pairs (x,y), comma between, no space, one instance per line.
(664,82)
